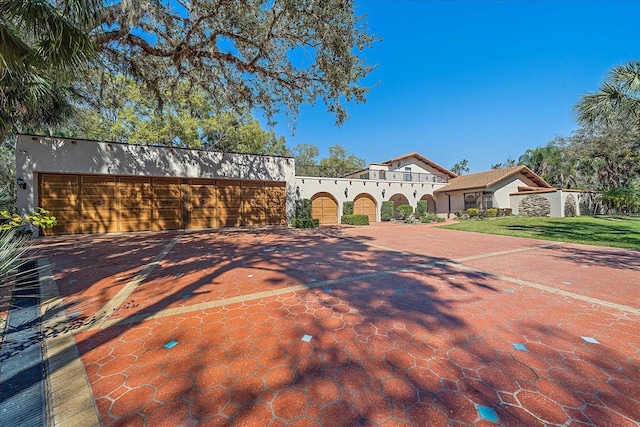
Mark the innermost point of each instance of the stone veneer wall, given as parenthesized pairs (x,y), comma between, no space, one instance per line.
(570,206)
(534,205)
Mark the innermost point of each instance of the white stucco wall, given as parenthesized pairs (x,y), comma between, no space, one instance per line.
(307,187)
(503,189)
(36,155)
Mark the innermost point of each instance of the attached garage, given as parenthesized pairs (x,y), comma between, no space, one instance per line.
(365,205)
(324,208)
(102,204)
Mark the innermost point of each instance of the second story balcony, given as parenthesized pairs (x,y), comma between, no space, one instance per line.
(370,174)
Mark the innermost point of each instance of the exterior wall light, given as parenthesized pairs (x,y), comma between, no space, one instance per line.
(20,182)
(415,193)
(298,191)
(346,193)
(383,193)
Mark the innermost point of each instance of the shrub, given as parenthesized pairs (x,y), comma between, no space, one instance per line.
(440,219)
(430,217)
(504,211)
(386,210)
(473,212)
(305,223)
(492,212)
(347,208)
(405,211)
(355,219)
(303,209)
(459,214)
(421,209)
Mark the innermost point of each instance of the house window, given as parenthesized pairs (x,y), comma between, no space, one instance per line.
(470,200)
(407,173)
(487,200)
(364,175)
(480,201)
(382,175)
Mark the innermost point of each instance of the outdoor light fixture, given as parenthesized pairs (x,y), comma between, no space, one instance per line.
(415,192)
(346,193)
(20,182)
(298,191)
(383,193)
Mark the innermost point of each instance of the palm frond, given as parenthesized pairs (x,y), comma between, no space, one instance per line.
(627,77)
(13,247)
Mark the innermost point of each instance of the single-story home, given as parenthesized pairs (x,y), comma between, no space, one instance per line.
(98,187)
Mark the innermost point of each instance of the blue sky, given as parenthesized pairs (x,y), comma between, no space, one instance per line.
(476,80)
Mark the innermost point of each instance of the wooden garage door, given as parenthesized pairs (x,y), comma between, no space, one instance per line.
(275,203)
(59,195)
(167,203)
(203,200)
(134,204)
(364,205)
(99,204)
(324,208)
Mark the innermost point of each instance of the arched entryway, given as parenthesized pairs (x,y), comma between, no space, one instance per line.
(325,208)
(364,204)
(398,199)
(431,203)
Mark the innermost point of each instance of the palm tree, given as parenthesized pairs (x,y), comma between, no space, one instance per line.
(617,99)
(42,47)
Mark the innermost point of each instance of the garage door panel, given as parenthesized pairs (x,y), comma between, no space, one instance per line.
(203,223)
(204,212)
(98,227)
(59,203)
(62,226)
(132,214)
(324,209)
(135,225)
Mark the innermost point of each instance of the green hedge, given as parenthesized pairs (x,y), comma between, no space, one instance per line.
(303,209)
(492,212)
(355,219)
(421,209)
(405,211)
(386,210)
(347,208)
(305,223)
(473,212)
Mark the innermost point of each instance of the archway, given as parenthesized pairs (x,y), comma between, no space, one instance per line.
(325,208)
(431,203)
(365,204)
(398,199)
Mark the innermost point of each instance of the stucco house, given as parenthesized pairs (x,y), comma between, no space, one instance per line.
(490,189)
(98,186)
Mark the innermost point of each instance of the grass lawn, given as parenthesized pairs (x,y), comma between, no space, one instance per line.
(619,232)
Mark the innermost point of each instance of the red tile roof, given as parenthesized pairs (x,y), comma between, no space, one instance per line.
(423,159)
(486,179)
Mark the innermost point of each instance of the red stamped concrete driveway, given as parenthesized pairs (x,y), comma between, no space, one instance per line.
(390,324)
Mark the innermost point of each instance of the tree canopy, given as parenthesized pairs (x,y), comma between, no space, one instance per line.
(127,113)
(267,55)
(460,167)
(272,55)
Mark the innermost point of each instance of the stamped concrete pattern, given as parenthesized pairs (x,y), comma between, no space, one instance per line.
(390,324)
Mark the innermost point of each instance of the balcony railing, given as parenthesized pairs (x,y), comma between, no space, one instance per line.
(375,175)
